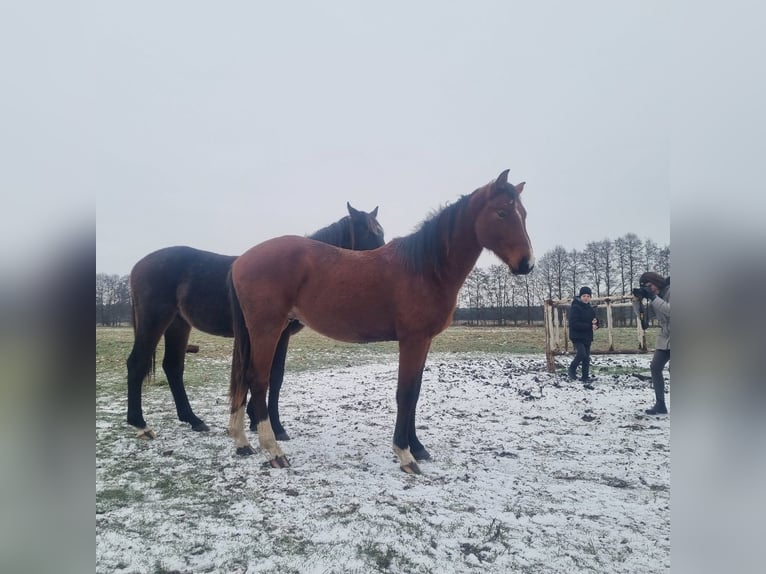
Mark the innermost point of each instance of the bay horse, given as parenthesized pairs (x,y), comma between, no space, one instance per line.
(177,288)
(405,291)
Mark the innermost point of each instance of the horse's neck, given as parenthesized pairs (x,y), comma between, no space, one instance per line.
(462,251)
(336,234)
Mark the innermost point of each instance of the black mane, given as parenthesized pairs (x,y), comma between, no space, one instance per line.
(335,233)
(424,250)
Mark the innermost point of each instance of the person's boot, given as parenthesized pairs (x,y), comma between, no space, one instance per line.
(572,374)
(586,380)
(657,409)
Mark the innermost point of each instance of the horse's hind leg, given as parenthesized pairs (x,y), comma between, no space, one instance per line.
(176,340)
(139,364)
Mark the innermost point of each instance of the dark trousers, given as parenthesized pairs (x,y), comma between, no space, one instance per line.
(659,360)
(582,348)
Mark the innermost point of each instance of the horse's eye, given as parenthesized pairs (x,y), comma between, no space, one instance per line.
(502,214)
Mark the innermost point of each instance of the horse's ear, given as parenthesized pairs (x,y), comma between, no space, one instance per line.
(520,187)
(374,212)
(351,211)
(502,179)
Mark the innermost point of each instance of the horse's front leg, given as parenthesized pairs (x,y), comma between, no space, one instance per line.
(412,359)
(416,447)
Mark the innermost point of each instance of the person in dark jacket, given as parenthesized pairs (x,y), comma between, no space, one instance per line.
(582,323)
(656,289)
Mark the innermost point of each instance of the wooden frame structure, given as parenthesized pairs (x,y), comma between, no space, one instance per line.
(556,327)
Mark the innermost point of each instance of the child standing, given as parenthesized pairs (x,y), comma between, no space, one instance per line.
(582,323)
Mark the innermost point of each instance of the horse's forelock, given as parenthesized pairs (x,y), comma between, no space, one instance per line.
(494,188)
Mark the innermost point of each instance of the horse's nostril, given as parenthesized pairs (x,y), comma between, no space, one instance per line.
(524,266)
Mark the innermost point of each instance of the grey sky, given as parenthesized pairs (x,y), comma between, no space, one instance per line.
(219,125)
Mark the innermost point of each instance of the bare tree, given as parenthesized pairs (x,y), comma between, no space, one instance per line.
(559,260)
(575,269)
(634,247)
(628,251)
(663,261)
(112,299)
(651,253)
(499,282)
(606,249)
(592,259)
(474,293)
(528,286)
(544,270)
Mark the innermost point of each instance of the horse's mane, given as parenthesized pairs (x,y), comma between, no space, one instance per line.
(425,250)
(333,233)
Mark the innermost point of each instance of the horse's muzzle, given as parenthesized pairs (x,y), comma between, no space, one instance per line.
(525,266)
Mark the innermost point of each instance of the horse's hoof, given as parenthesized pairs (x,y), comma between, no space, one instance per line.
(246,450)
(421,454)
(200,427)
(282,435)
(146,434)
(411,468)
(277,462)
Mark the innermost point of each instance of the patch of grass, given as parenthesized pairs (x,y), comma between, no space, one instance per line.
(381,555)
(309,350)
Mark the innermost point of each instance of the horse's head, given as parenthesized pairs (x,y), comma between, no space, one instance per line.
(366,232)
(501,224)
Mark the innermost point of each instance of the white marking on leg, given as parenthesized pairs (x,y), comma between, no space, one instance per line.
(267,440)
(237,427)
(404,454)
(146,433)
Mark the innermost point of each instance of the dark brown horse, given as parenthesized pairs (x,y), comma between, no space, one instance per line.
(177,288)
(405,291)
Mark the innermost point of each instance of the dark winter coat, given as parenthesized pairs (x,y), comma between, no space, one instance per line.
(581,317)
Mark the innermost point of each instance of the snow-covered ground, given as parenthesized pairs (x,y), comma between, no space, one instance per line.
(530,473)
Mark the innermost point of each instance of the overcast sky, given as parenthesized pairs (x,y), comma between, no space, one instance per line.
(220,125)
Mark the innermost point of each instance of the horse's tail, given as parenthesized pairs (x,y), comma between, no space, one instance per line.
(240,361)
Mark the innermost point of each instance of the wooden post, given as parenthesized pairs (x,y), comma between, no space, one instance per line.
(548,307)
(609,323)
(565,329)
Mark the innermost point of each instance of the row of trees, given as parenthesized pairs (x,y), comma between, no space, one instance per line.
(608,267)
(113,300)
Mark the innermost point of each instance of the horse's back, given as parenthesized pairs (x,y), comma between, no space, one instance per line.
(355,296)
(291,258)
(186,280)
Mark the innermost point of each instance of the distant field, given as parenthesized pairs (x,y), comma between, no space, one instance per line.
(309,350)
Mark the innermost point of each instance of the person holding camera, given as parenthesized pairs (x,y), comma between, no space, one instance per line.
(582,323)
(656,290)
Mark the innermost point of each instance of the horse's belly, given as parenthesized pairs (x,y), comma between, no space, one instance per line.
(347,329)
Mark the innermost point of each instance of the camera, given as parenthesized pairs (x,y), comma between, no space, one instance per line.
(642,292)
